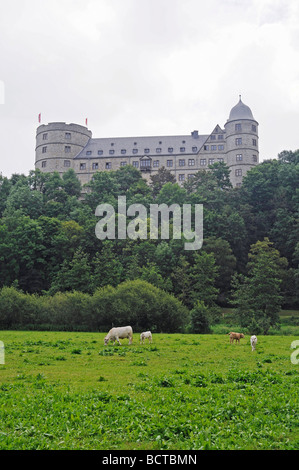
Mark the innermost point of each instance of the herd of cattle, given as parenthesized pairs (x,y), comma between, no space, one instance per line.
(115,334)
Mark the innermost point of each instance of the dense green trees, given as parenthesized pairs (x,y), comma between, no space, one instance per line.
(48,244)
(136,303)
(258,295)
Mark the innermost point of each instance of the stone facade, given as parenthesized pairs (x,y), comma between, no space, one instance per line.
(60,146)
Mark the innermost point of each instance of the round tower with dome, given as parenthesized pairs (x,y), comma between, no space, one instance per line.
(242,150)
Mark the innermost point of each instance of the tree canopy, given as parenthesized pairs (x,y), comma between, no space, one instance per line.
(48,243)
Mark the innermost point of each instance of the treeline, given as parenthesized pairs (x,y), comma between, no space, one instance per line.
(48,245)
(136,303)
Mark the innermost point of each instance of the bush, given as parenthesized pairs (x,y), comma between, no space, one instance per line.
(136,303)
(200,319)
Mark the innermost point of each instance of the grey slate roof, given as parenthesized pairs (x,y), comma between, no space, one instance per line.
(136,146)
(240,111)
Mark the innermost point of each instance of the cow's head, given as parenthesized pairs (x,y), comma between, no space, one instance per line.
(106,340)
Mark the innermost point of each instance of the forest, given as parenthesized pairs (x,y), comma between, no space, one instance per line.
(55,271)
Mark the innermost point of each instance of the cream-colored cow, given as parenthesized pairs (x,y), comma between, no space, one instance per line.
(121,332)
(144,335)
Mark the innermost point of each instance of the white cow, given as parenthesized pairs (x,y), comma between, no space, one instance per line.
(146,334)
(253,341)
(121,332)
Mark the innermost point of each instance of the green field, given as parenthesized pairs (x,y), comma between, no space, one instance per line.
(61,390)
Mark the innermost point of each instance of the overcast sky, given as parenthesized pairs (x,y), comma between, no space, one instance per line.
(146,67)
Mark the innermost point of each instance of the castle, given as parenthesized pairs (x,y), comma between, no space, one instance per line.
(61,146)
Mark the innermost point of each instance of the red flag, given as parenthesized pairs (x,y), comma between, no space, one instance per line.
(86,122)
(39,117)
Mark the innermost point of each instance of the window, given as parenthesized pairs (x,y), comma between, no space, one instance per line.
(68,135)
(213,137)
(220,136)
(135,164)
(67,149)
(220,160)
(82,166)
(238,127)
(158,150)
(123,163)
(190,177)
(203,161)
(123,151)
(220,147)
(238,141)
(111,152)
(214,147)
(239,157)
(67,163)
(191,162)
(135,151)
(182,162)
(182,149)
(44,164)
(182,177)
(206,147)
(253,128)
(194,149)
(170,149)
(44,150)
(254,158)
(211,161)
(45,136)
(108,165)
(145,163)
(238,172)
(146,150)
(95,166)
(169,163)
(156,163)
(254,142)
(88,152)
(100,152)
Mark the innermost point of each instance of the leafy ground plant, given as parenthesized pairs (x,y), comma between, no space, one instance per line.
(181,392)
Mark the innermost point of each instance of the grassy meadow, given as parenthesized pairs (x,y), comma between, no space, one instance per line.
(66,390)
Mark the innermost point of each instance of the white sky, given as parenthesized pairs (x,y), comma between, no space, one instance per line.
(146,67)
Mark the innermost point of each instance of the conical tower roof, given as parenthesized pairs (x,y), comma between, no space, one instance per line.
(240,111)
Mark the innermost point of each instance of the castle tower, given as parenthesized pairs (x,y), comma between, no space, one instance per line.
(57,143)
(241,142)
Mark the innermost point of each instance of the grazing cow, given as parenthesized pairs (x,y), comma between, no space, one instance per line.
(253,341)
(235,336)
(146,334)
(122,332)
